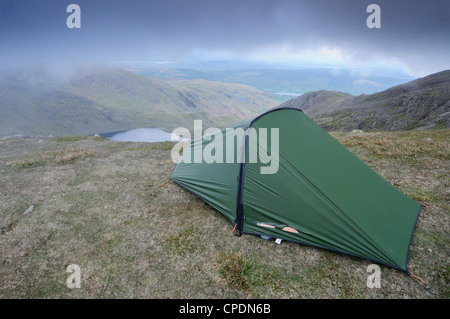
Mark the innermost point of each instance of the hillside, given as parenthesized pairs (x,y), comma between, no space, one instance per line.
(422,103)
(98,204)
(279,80)
(105,99)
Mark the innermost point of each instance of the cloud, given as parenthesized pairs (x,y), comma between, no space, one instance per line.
(414,34)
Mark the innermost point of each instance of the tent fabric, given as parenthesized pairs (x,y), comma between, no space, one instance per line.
(216,183)
(321,195)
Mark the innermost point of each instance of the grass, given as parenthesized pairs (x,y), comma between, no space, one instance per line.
(235,269)
(71,138)
(383,145)
(58,157)
(99,204)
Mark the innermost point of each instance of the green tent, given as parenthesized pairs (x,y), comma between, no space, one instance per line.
(320,194)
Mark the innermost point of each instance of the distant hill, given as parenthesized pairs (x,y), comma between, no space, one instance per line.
(105,99)
(422,103)
(282,82)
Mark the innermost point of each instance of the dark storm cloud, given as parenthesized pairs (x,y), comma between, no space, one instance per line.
(414,32)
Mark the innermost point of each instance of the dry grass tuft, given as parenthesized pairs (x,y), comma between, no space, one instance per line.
(235,269)
(58,157)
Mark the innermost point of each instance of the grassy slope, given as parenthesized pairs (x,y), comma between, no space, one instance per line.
(104,99)
(98,204)
(169,104)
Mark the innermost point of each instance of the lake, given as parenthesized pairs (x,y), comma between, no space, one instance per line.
(287,93)
(149,135)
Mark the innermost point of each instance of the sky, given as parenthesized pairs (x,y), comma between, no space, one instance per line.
(414,34)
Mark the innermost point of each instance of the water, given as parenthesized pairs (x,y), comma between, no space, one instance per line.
(287,93)
(149,135)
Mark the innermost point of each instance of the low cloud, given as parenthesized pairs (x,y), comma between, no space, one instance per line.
(413,34)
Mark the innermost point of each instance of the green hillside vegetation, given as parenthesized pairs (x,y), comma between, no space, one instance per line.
(99,204)
(422,103)
(105,99)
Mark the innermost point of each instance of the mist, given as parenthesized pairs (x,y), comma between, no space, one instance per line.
(413,35)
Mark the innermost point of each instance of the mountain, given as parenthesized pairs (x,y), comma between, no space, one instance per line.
(280,81)
(104,99)
(422,103)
